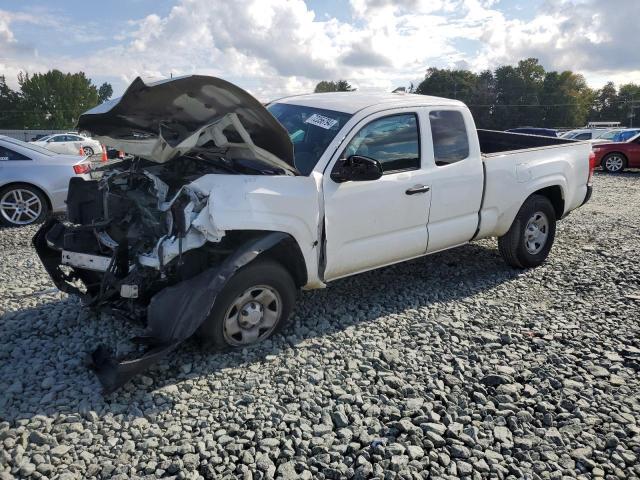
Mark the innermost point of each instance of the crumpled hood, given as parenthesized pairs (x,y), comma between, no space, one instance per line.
(161,120)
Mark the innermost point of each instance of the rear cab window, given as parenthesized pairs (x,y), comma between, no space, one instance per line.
(449,135)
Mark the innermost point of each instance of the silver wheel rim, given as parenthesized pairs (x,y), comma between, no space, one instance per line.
(20,206)
(252,316)
(536,233)
(87,151)
(614,163)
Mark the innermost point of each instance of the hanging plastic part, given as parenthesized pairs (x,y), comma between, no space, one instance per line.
(176,312)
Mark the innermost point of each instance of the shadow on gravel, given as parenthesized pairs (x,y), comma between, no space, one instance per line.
(72,389)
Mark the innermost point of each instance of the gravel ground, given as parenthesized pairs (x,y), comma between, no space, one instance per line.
(449,366)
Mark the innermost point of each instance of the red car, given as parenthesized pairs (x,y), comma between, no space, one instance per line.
(615,157)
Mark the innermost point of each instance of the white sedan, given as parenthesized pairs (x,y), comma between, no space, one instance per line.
(70,144)
(34,181)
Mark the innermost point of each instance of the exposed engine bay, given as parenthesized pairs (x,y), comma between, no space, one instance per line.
(138,244)
(131,233)
(140,241)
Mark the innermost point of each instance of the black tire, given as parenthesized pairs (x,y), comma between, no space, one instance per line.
(608,164)
(513,245)
(261,272)
(7,213)
(88,151)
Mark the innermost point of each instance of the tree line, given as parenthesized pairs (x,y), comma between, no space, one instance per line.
(49,101)
(509,96)
(527,95)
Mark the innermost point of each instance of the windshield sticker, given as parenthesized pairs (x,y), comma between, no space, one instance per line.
(321,121)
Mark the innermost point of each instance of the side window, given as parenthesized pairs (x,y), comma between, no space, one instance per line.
(394,141)
(7,154)
(583,136)
(450,139)
(59,138)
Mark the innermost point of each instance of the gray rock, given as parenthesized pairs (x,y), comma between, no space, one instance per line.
(459,451)
(415,452)
(340,419)
(494,380)
(287,471)
(503,435)
(38,438)
(464,468)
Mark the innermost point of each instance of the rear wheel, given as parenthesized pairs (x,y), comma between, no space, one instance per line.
(88,151)
(22,204)
(614,163)
(530,238)
(253,305)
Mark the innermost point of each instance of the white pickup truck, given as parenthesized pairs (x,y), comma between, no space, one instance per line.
(229,207)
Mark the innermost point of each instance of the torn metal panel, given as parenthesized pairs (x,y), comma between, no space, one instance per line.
(162,120)
(176,312)
(270,203)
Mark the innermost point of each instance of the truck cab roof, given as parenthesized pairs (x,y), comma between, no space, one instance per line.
(352,102)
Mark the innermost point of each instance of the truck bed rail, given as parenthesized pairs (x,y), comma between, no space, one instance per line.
(493,141)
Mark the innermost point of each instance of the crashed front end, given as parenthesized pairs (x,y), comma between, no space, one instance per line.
(140,241)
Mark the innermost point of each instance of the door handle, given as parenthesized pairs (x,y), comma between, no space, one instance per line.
(418,189)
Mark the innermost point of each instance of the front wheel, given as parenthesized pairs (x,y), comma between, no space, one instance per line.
(530,238)
(614,163)
(253,305)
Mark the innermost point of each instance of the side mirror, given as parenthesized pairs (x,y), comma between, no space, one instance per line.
(356,168)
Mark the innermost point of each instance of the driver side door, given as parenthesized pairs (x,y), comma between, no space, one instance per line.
(373,223)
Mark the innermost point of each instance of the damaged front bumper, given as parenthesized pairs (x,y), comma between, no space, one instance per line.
(172,315)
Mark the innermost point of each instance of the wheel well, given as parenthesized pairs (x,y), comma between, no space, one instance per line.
(554,194)
(35,187)
(289,255)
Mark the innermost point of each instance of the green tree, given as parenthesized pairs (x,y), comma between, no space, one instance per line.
(331,86)
(10,106)
(457,84)
(606,105)
(55,100)
(518,92)
(567,99)
(484,99)
(629,104)
(104,92)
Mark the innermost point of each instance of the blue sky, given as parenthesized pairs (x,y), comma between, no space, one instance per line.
(278,47)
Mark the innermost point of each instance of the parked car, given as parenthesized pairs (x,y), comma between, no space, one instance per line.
(70,144)
(34,181)
(545,132)
(214,232)
(615,157)
(584,133)
(618,135)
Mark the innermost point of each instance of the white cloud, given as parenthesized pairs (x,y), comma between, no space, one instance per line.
(274,48)
(588,36)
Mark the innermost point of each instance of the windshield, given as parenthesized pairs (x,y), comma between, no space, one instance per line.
(624,136)
(43,139)
(30,146)
(610,135)
(310,129)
